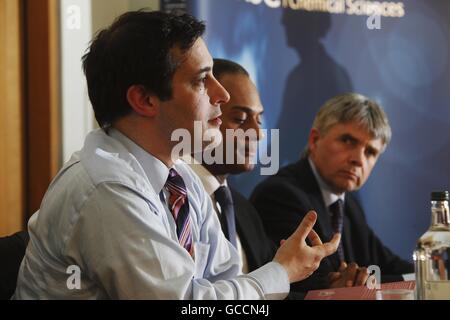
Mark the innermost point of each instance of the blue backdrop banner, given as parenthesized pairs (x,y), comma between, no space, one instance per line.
(301,53)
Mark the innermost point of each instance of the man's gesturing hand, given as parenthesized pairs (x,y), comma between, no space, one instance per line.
(299,259)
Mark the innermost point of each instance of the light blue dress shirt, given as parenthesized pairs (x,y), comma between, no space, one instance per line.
(103,215)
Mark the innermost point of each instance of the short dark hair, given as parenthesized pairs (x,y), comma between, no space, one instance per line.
(223,66)
(135,50)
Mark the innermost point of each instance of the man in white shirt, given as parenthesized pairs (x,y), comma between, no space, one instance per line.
(124,215)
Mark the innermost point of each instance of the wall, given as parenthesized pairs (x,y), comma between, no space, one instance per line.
(299,59)
(77,115)
(11,122)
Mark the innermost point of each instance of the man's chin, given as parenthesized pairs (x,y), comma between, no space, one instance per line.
(243,168)
(249,167)
(240,168)
(340,187)
(349,187)
(212,138)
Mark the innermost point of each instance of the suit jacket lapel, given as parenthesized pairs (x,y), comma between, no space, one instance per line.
(347,236)
(357,234)
(248,240)
(323,225)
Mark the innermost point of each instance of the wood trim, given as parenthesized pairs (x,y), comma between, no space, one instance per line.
(11,124)
(43,98)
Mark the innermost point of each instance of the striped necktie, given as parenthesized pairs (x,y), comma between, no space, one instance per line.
(337,221)
(179,207)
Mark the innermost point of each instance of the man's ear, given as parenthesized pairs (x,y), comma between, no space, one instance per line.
(314,136)
(142,102)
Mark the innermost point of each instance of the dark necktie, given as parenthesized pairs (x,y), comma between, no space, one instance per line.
(337,221)
(179,207)
(227,218)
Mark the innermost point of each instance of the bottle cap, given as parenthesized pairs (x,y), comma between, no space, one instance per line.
(439,196)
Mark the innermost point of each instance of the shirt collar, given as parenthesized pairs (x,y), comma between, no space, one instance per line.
(156,171)
(210,182)
(328,196)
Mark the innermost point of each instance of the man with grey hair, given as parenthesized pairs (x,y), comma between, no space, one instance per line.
(347,137)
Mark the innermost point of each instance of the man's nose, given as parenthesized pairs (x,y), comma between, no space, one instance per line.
(218,94)
(357,157)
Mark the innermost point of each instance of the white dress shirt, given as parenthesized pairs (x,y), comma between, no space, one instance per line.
(103,214)
(211,184)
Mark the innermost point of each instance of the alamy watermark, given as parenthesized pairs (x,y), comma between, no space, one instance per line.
(73,17)
(374,279)
(74,280)
(374,22)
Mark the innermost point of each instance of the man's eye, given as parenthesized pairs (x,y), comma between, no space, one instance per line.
(239,120)
(346,140)
(201,81)
(371,153)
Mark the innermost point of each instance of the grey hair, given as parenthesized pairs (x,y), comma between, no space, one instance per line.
(355,108)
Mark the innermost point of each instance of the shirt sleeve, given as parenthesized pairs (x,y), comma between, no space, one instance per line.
(268,282)
(125,247)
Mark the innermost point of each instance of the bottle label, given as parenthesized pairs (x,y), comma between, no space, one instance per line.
(438,290)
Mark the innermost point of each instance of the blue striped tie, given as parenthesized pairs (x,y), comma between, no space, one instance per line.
(337,221)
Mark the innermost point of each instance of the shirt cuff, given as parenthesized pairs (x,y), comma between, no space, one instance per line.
(273,279)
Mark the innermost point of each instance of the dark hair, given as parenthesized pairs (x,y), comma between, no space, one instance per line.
(222,66)
(135,50)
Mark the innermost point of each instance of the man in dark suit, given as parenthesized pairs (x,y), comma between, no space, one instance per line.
(239,219)
(347,137)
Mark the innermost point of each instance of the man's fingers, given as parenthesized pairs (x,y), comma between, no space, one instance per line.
(350,274)
(343,266)
(362,276)
(305,226)
(332,246)
(314,238)
(328,248)
(333,276)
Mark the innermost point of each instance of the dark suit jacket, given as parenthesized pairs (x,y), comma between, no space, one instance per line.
(12,250)
(284,199)
(258,248)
